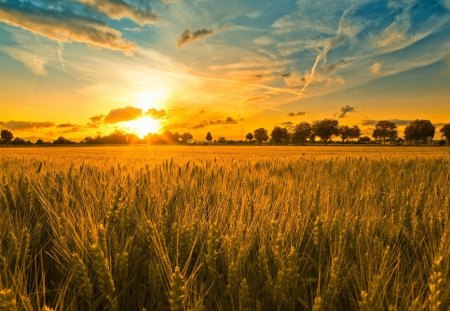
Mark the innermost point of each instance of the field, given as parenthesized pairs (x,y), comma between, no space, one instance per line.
(225,228)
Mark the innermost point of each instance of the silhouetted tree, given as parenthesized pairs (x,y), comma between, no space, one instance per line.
(249,137)
(39,142)
(355,132)
(344,132)
(326,129)
(302,132)
(6,137)
(445,130)
(261,135)
(279,135)
(385,130)
(222,140)
(186,137)
(364,139)
(422,130)
(18,141)
(62,141)
(209,137)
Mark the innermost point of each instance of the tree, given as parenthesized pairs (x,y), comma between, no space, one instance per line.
(18,141)
(186,137)
(355,132)
(39,142)
(261,135)
(344,132)
(249,137)
(325,129)
(385,130)
(302,132)
(222,140)
(62,141)
(209,137)
(422,130)
(445,130)
(364,139)
(279,135)
(6,136)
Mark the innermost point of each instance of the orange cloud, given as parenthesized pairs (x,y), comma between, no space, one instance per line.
(122,115)
(65,27)
(118,9)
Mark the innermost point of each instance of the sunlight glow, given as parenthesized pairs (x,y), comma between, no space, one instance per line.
(151,99)
(143,126)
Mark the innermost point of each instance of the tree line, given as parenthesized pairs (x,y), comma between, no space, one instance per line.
(385,131)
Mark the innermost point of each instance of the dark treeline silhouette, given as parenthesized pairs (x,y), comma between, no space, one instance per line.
(384,132)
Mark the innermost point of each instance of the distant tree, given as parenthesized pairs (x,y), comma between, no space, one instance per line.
(364,139)
(420,130)
(302,132)
(6,137)
(261,135)
(344,132)
(186,137)
(445,130)
(222,140)
(209,137)
(249,137)
(326,129)
(18,141)
(355,132)
(279,135)
(62,141)
(385,130)
(39,142)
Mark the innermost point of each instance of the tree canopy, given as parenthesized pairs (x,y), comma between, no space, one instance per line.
(302,132)
(420,130)
(261,135)
(385,130)
(326,129)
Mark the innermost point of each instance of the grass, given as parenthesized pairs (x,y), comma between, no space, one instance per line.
(179,228)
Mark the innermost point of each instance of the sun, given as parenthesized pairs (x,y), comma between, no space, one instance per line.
(143,126)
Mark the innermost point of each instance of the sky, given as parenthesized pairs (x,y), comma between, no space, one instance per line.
(78,68)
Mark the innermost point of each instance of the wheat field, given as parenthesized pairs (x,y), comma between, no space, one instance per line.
(225,228)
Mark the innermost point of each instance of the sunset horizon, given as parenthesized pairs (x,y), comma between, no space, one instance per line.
(92,67)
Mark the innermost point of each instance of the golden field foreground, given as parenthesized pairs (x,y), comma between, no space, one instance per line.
(225,228)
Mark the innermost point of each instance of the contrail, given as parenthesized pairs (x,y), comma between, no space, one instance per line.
(322,56)
(60,54)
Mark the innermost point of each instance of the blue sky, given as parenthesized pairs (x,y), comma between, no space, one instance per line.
(223,66)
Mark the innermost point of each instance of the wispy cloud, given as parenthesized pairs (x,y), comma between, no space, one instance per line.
(26,125)
(156,113)
(296,114)
(64,27)
(376,68)
(32,61)
(189,36)
(399,122)
(119,9)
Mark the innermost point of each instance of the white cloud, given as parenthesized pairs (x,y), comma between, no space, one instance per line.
(376,68)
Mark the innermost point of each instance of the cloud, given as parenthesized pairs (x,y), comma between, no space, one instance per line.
(66,125)
(64,26)
(189,36)
(295,114)
(227,120)
(399,122)
(69,127)
(376,68)
(122,115)
(119,9)
(25,125)
(263,41)
(345,110)
(33,62)
(156,113)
